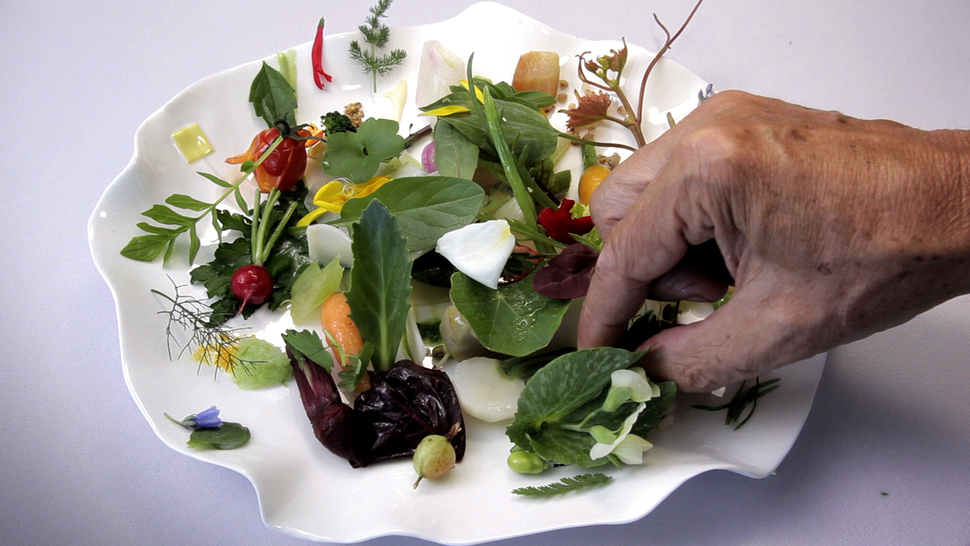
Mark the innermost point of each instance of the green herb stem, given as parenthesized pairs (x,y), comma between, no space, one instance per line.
(496,133)
(742,399)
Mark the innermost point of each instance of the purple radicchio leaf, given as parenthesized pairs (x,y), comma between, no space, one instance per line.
(568,274)
(334,423)
(405,404)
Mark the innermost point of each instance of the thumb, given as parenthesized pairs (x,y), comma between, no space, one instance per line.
(751,334)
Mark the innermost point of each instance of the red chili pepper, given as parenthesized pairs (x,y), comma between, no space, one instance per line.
(559,223)
(284,166)
(317,56)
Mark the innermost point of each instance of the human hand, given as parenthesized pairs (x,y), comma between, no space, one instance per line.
(832,228)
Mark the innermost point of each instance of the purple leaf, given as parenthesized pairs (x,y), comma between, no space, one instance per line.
(567,276)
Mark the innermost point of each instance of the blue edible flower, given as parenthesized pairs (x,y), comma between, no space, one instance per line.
(204,419)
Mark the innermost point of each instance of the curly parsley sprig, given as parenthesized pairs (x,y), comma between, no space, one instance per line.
(376,34)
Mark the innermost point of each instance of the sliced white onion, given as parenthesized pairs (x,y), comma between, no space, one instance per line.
(484,391)
(438,70)
(326,242)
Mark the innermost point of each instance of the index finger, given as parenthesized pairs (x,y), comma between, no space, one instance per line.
(648,242)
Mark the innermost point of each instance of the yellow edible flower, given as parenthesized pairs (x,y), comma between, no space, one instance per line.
(332,196)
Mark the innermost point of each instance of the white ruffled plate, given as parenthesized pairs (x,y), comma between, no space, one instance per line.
(304,490)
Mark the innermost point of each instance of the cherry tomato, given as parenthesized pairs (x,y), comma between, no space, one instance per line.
(283,167)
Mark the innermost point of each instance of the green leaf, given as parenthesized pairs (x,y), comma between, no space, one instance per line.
(187,202)
(158,230)
(307,345)
(380,283)
(228,436)
(563,386)
(527,131)
(215,180)
(426,207)
(454,153)
(272,96)
(165,215)
(565,485)
(194,243)
(358,155)
(655,410)
(145,248)
(512,320)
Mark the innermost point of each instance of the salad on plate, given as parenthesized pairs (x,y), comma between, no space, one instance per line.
(391,263)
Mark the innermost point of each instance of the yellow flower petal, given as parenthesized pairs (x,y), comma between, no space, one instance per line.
(446,111)
(311,216)
(478,91)
(328,193)
(371,185)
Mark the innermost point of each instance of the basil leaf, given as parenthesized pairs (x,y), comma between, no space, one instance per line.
(380,283)
(514,320)
(272,96)
(454,153)
(426,207)
(228,436)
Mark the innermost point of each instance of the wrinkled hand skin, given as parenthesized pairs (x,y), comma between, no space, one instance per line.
(832,228)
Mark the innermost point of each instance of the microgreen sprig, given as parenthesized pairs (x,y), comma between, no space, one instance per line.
(213,336)
(146,248)
(605,73)
(376,34)
(743,398)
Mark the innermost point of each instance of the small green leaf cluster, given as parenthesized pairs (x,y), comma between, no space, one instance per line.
(564,401)
(285,261)
(335,122)
(306,345)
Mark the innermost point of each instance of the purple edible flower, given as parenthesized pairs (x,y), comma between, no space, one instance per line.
(705,94)
(205,419)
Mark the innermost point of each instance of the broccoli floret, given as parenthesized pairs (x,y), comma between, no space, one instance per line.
(335,122)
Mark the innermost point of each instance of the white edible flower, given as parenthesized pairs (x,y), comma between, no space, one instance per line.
(631,384)
(479,250)
(627,447)
(630,450)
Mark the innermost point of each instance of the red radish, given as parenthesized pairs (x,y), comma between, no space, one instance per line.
(252,284)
